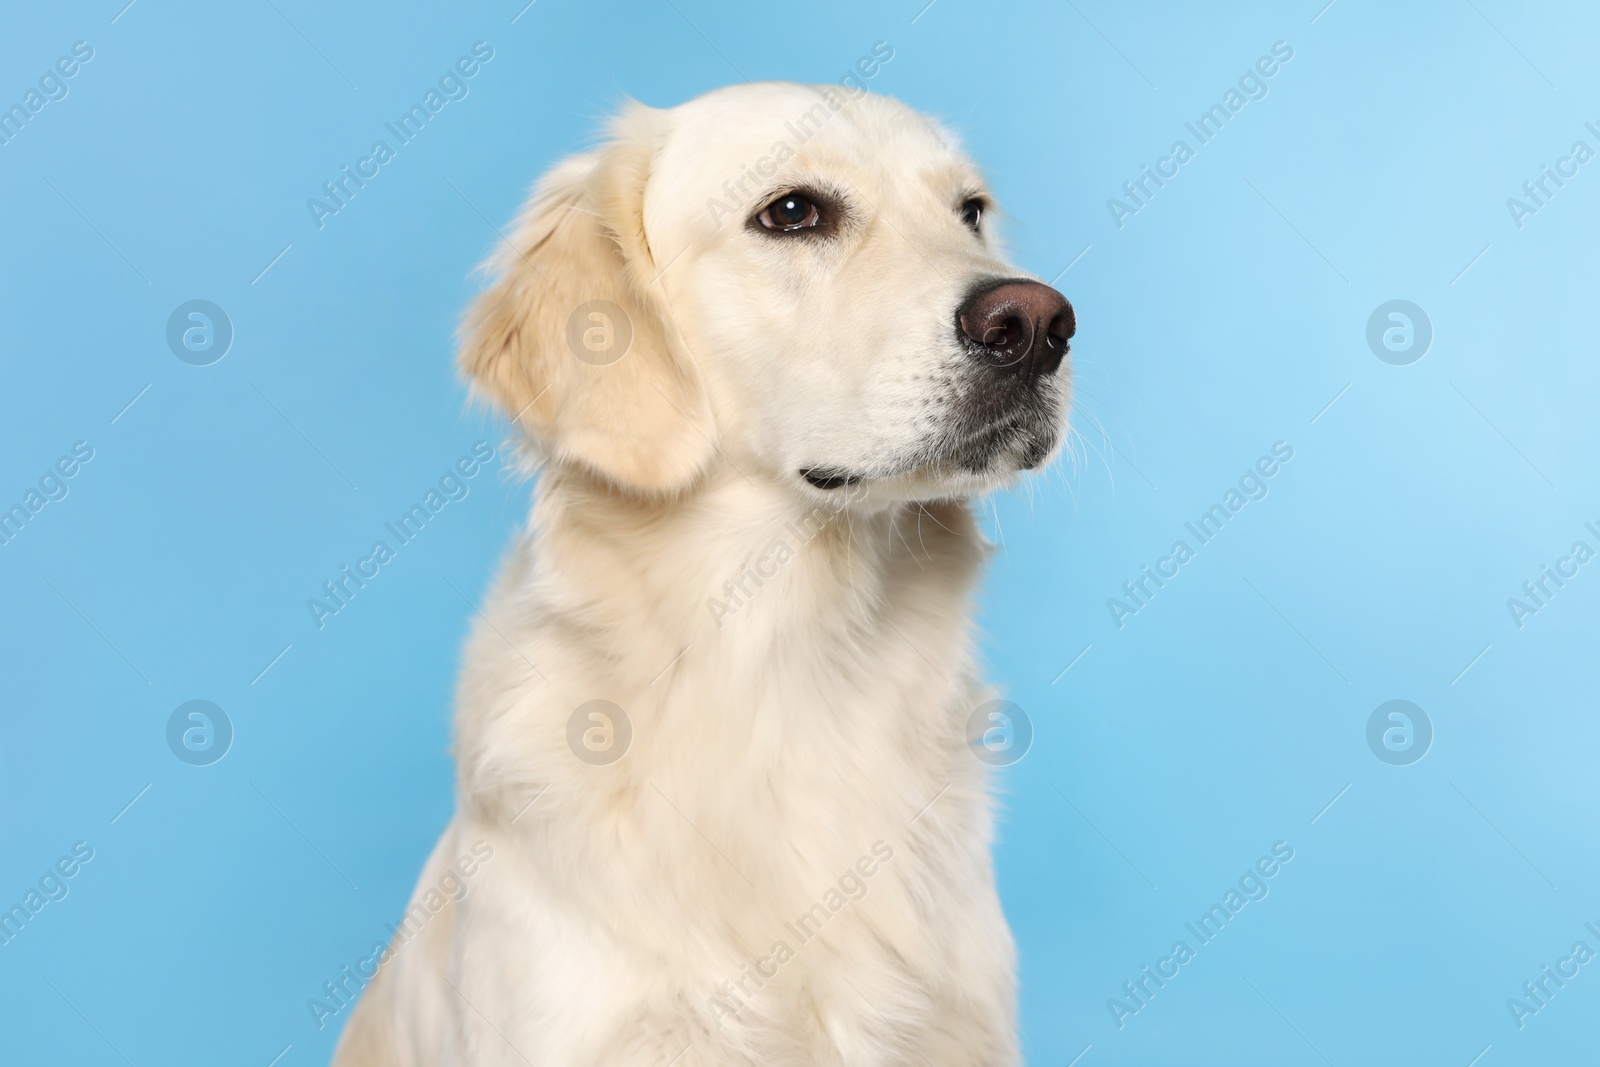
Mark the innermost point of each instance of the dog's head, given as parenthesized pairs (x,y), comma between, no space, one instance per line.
(797,281)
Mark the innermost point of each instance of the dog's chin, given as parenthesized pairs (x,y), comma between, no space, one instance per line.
(975,471)
(978,462)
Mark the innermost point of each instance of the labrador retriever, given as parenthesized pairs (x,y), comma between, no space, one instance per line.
(720,795)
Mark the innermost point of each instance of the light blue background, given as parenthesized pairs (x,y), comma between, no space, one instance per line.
(1222,318)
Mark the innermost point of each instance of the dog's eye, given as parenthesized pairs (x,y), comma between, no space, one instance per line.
(972,214)
(790,212)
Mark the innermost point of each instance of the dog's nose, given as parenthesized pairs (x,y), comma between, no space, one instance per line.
(1020,326)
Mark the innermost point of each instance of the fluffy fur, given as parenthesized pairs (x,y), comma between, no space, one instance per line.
(790,865)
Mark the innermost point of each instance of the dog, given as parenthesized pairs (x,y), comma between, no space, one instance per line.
(718,797)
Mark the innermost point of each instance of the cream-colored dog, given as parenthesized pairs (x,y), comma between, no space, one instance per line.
(720,728)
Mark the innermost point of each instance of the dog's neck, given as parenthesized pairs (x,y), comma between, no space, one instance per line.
(739,559)
(729,623)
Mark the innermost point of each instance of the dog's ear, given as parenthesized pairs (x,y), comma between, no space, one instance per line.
(572,338)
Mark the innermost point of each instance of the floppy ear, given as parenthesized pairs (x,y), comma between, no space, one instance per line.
(572,339)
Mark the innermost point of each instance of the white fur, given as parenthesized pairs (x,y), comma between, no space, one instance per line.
(781,741)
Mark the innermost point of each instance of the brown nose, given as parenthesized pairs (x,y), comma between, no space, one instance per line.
(1020,326)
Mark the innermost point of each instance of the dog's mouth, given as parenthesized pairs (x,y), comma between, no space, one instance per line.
(985,437)
(830,477)
(1004,446)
